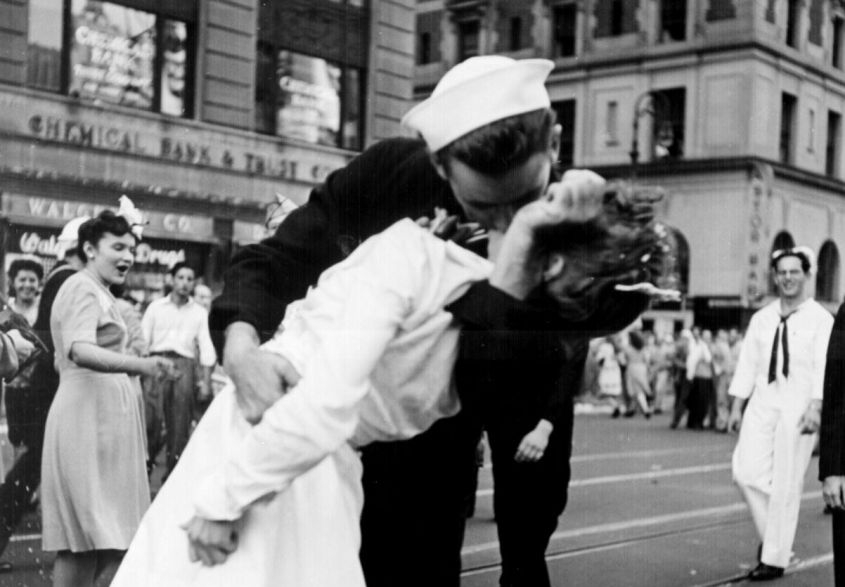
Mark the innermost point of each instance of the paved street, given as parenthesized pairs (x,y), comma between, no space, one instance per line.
(648,506)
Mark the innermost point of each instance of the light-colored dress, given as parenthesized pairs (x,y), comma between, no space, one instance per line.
(610,375)
(376,349)
(94,488)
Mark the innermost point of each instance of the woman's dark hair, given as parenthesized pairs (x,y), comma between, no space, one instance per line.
(502,145)
(19,265)
(93,230)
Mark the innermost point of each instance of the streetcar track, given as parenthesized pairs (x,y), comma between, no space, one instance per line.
(725,512)
(615,544)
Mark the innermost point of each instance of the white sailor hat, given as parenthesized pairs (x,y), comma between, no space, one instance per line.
(475,93)
(70,235)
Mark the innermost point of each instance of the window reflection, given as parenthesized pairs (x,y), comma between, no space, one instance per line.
(112,53)
(174,61)
(309,98)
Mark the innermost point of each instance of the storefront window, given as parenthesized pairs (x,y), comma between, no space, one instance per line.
(114,54)
(308,98)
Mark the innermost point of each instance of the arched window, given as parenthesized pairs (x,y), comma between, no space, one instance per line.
(827,273)
(783,240)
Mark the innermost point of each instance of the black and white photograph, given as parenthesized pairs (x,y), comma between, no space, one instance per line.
(422,293)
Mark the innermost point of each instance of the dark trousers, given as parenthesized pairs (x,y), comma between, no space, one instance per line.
(528,499)
(712,408)
(176,400)
(17,490)
(839,548)
(682,392)
(415,494)
(701,390)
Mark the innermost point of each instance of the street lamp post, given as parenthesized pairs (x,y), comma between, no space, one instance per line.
(645,104)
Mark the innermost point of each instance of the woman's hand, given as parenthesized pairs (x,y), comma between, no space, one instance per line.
(210,542)
(161,369)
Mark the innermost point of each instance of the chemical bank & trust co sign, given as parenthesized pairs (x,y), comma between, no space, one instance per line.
(160,138)
(190,150)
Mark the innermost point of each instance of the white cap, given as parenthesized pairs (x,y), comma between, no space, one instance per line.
(475,93)
(70,235)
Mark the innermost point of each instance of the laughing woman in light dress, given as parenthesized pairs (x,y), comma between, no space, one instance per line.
(94,487)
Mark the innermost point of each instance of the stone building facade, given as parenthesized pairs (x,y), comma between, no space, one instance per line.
(737,107)
(200,110)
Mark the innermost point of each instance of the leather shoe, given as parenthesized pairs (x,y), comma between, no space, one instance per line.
(765,572)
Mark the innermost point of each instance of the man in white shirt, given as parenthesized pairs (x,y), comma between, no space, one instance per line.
(782,362)
(176,327)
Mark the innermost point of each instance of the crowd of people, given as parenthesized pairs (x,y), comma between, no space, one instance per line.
(432,288)
(640,372)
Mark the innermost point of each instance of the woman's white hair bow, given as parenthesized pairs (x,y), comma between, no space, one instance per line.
(132,215)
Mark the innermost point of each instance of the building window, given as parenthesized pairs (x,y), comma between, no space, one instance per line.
(811,131)
(44,45)
(564,30)
(424,49)
(469,38)
(836,45)
(611,124)
(827,273)
(615,17)
(832,149)
(668,139)
(815,18)
(308,98)
(673,20)
(112,53)
(565,110)
(793,14)
(787,122)
(516,34)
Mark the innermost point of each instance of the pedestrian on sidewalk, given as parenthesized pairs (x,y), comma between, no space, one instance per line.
(636,373)
(683,342)
(781,369)
(176,327)
(94,487)
(700,380)
(22,481)
(609,375)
